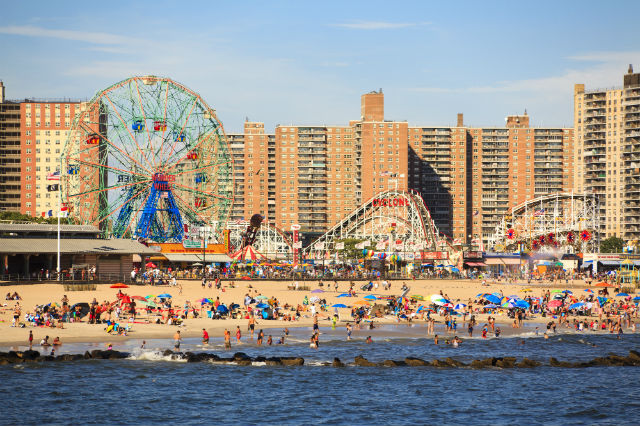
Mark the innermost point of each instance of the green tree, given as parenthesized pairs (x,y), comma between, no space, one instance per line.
(612,244)
(350,251)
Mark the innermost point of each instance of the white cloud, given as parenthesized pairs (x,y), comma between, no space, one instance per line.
(84,36)
(606,73)
(378,25)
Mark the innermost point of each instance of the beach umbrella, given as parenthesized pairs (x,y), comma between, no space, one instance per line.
(522,304)
(554,303)
(436,297)
(604,284)
(261,297)
(577,305)
(514,296)
(459,306)
(448,305)
(491,306)
(526,290)
(588,290)
(318,290)
(362,302)
(205,300)
(417,297)
(636,298)
(149,303)
(119,285)
(138,298)
(371,297)
(556,291)
(222,309)
(150,265)
(344,295)
(567,292)
(151,296)
(165,296)
(262,306)
(420,308)
(493,298)
(622,295)
(339,305)
(482,294)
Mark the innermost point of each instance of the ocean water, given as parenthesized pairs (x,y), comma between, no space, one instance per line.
(149,388)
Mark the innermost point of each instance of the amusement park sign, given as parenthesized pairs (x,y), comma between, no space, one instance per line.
(390,202)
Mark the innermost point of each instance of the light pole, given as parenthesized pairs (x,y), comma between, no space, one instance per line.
(205,230)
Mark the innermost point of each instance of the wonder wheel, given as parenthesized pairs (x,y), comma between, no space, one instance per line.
(147,158)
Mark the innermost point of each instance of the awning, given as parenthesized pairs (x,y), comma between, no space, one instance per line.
(610,262)
(478,264)
(192,257)
(502,261)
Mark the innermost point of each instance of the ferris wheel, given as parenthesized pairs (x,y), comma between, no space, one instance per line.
(147,158)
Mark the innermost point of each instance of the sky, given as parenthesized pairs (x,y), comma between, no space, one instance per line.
(299,62)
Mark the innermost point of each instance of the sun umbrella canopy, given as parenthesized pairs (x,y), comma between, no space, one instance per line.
(588,290)
(493,298)
(362,302)
(459,306)
(577,305)
(119,285)
(318,290)
(138,298)
(525,290)
(636,298)
(522,304)
(165,296)
(262,306)
(436,297)
(622,295)
(491,306)
(371,297)
(339,305)
(222,309)
(149,303)
(344,295)
(554,303)
(150,265)
(261,297)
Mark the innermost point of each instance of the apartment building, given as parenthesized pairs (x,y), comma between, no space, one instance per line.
(631,156)
(44,128)
(599,123)
(10,160)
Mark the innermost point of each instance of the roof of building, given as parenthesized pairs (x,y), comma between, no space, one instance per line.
(72,246)
(40,227)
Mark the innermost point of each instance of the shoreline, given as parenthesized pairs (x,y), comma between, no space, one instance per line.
(460,291)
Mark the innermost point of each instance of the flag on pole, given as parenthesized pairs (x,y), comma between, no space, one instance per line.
(539,212)
(53,176)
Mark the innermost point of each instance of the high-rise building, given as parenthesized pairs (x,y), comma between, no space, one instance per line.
(599,167)
(631,156)
(44,128)
(10,160)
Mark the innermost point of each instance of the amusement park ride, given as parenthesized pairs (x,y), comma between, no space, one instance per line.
(561,222)
(147,158)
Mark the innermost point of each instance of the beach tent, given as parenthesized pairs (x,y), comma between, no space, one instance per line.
(248,253)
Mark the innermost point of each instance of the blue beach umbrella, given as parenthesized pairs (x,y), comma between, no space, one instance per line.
(493,298)
(636,298)
(262,306)
(222,309)
(577,305)
(344,295)
(459,306)
(491,306)
(339,305)
(371,297)
(622,295)
(522,304)
(165,296)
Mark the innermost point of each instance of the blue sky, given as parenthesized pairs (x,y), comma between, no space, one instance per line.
(300,62)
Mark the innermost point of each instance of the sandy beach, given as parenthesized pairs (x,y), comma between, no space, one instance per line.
(461,291)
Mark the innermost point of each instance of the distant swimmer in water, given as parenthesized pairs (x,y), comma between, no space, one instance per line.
(546,336)
(435,339)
